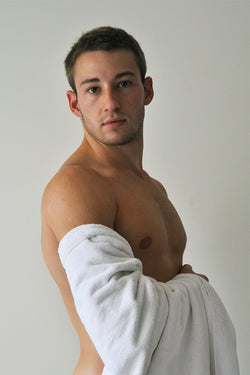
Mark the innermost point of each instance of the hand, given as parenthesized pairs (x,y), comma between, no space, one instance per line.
(188,269)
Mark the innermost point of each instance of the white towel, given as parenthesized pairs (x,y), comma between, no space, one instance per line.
(138,325)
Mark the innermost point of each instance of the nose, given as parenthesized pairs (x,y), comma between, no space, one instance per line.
(110,101)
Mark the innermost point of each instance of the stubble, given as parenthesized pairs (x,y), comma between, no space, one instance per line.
(117,136)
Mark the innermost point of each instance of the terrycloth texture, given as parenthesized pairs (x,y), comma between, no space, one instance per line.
(138,325)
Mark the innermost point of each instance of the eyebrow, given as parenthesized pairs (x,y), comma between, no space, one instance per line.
(119,75)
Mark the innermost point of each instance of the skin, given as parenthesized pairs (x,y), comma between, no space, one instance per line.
(104,182)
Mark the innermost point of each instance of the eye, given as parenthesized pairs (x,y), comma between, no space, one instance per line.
(124,84)
(93,90)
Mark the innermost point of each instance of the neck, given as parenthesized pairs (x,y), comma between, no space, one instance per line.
(128,156)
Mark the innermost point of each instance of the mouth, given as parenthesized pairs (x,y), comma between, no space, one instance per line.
(114,122)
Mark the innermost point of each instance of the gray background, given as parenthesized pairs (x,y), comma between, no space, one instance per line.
(195,144)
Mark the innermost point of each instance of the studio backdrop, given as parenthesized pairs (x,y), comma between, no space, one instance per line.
(195,143)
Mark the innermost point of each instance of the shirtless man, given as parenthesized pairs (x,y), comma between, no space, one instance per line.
(103,181)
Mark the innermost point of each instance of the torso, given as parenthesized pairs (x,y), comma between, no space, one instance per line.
(149,222)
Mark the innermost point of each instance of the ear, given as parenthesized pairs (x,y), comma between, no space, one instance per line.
(148,90)
(73,104)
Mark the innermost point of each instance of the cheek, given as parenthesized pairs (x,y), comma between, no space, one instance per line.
(136,100)
(87,108)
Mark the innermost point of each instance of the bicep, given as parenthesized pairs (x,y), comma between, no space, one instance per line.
(73,199)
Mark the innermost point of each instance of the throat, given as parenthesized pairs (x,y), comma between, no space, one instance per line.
(145,243)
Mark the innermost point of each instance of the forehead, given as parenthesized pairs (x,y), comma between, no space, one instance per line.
(102,64)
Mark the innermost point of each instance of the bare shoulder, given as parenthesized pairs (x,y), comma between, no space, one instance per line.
(77,196)
(159,186)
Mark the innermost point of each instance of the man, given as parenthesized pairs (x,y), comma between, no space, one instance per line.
(103,181)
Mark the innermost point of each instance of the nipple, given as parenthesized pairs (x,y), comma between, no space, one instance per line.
(145,242)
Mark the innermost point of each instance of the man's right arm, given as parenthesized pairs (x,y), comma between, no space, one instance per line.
(77,196)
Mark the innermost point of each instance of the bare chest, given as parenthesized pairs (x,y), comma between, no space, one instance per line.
(150,223)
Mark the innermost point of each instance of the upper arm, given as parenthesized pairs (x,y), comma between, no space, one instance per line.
(77,196)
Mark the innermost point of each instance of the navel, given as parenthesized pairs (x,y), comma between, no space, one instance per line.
(145,242)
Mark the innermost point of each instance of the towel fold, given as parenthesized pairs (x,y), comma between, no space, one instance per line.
(138,325)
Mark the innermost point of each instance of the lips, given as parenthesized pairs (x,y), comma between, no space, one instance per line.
(114,122)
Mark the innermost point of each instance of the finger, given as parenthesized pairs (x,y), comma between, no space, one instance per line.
(203,276)
(186,269)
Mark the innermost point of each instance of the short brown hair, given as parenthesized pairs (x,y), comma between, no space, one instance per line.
(104,38)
